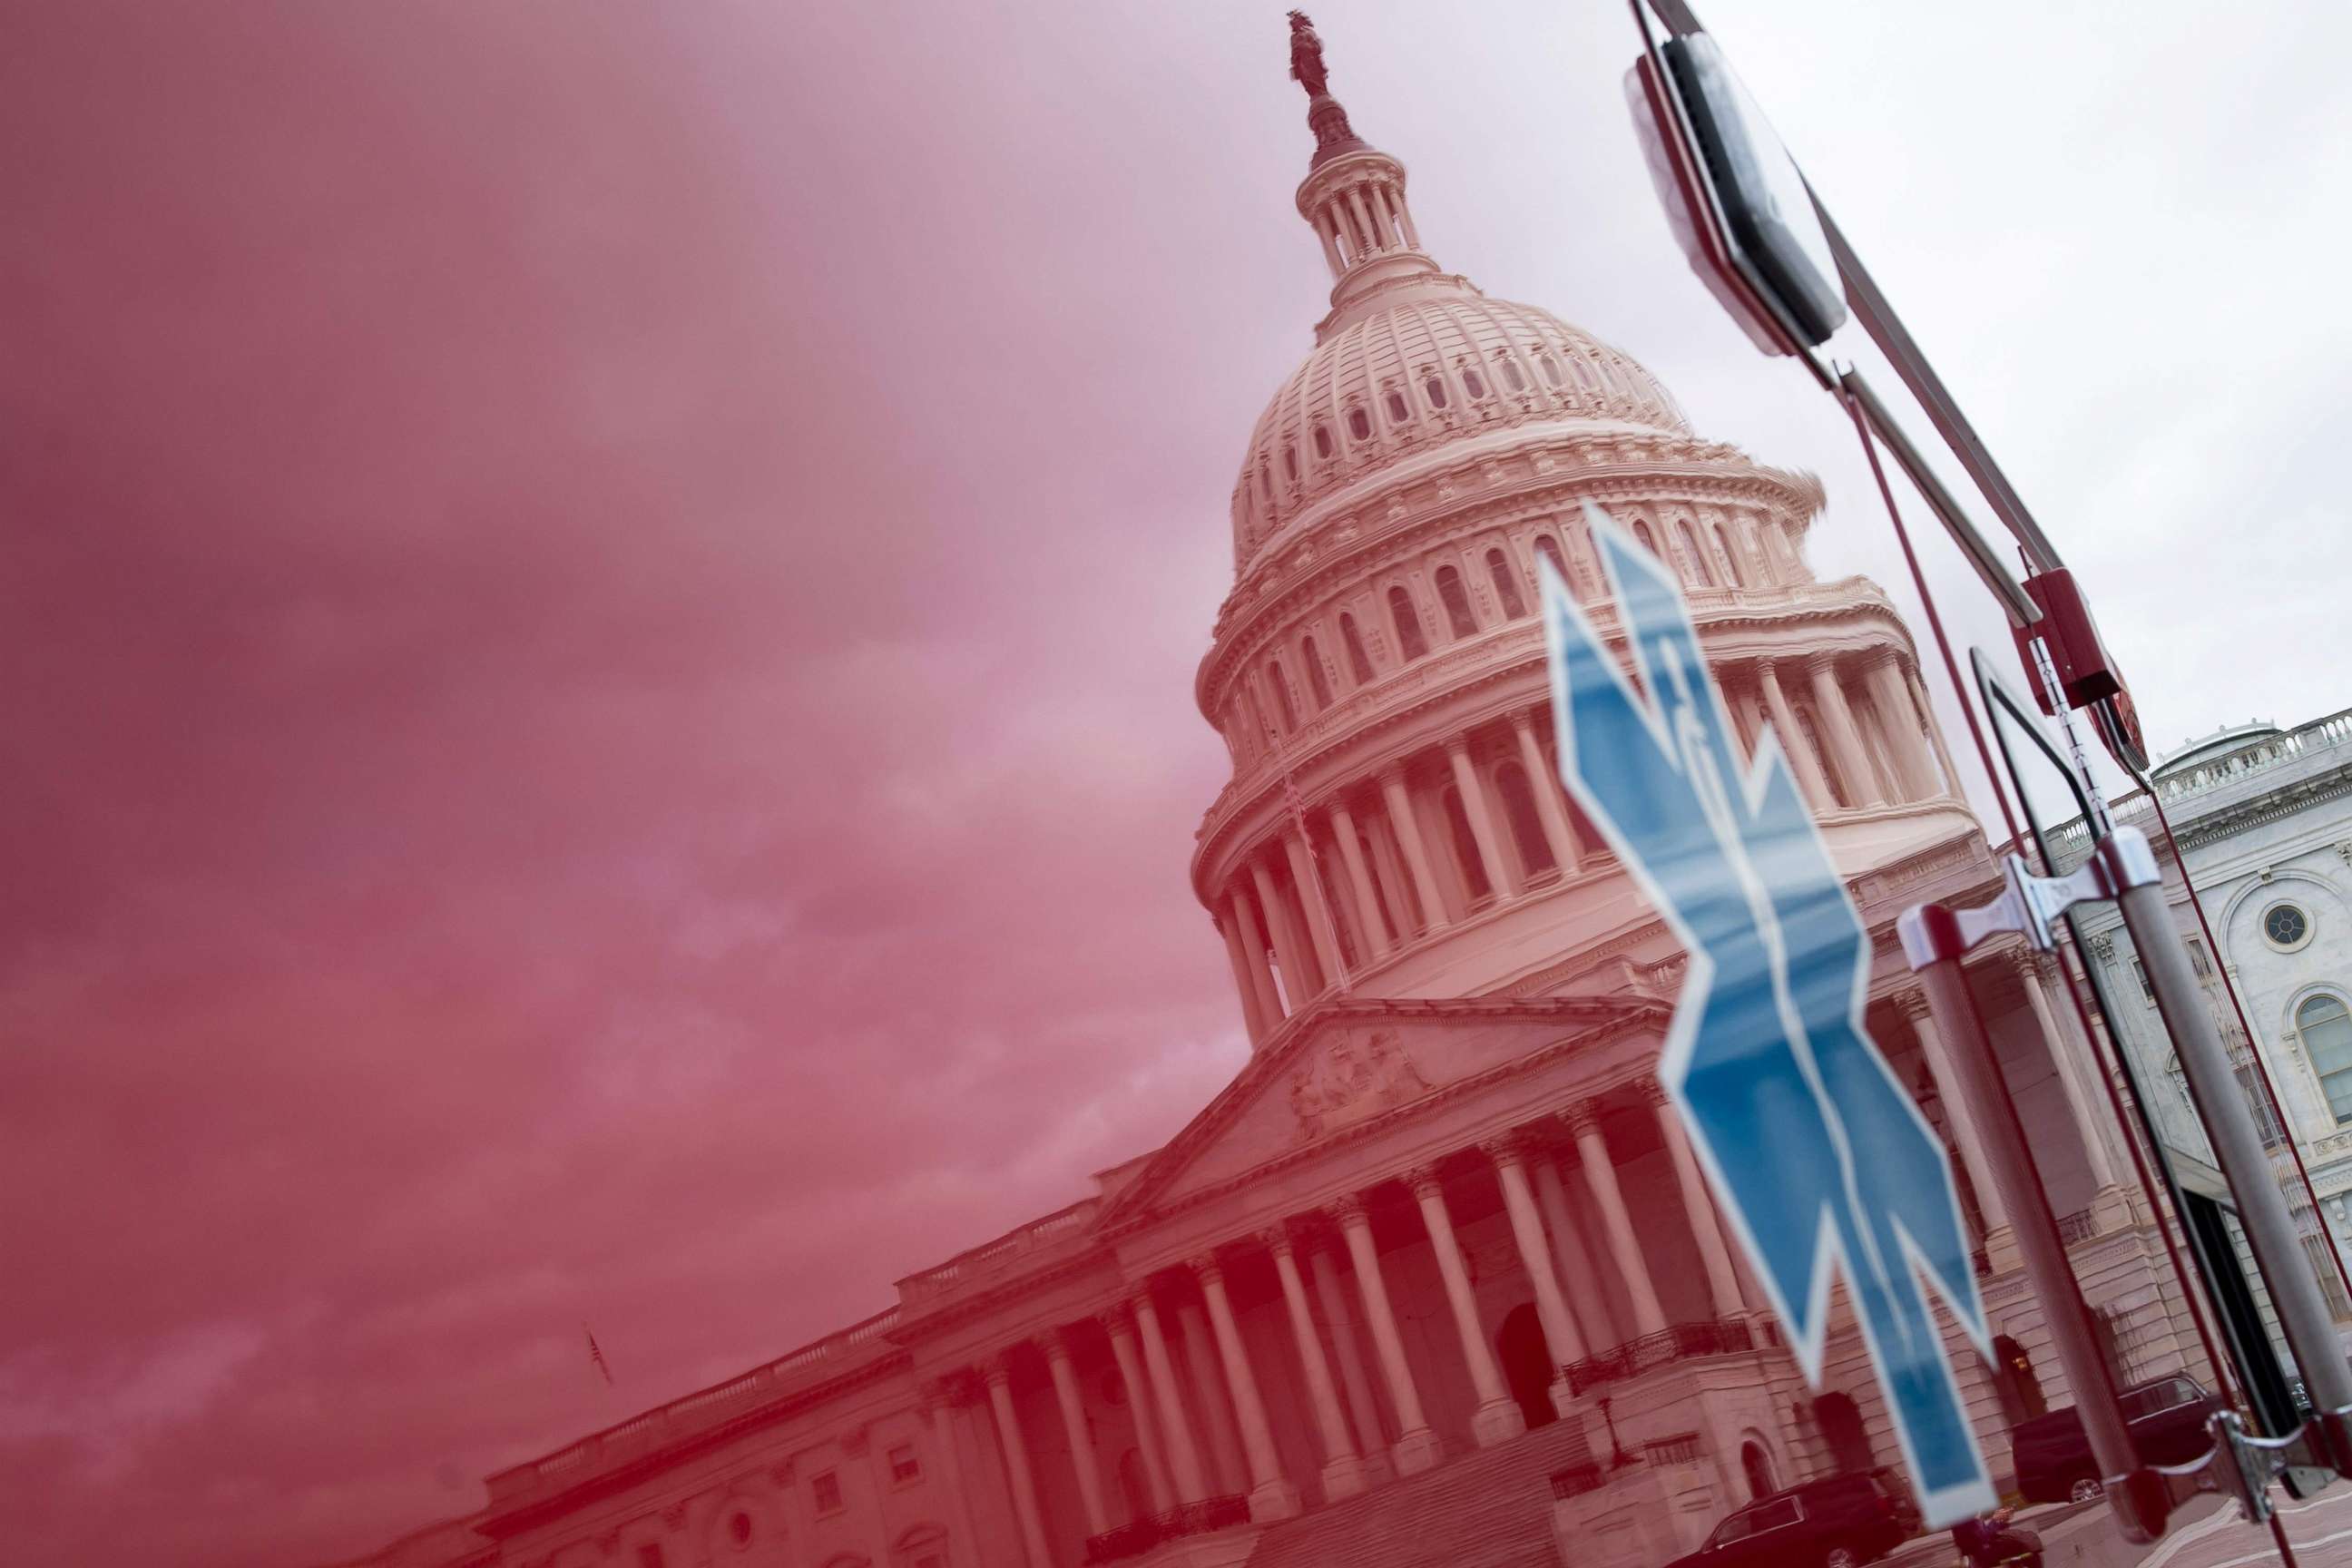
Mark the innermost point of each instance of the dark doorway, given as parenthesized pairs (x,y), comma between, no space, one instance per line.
(1841,1422)
(1756,1465)
(2016,1381)
(1527,1365)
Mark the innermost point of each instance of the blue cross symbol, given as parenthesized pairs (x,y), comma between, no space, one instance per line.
(1822,1162)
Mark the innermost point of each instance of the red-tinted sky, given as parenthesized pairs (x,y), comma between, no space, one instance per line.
(597,607)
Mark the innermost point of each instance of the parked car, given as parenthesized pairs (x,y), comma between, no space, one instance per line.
(2166,1418)
(1841,1521)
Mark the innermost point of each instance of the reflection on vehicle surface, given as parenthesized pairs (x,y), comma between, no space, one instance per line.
(2167,1417)
(1837,1522)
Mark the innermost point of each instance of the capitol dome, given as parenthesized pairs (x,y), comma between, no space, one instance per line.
(1416,363)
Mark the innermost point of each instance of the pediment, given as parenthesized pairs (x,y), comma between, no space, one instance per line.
(1347,1066)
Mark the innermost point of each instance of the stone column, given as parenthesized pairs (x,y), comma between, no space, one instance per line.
(1271,1496)
(1500,873)
(1309,883)
(1183,1459)
(1074,1422)
(1330,248)
(1551,805)
(1197,1348)
(1497,1418)
(1585,1294)
(1253,1015)
(1951,774)
(1299,983)
(1914,1006)
(1895,709)
(1509,1155)
(1698,1206)
(1120,1324)
(1360,879)
(1364,221)
(1405,221)
(1362,1408)
(1417,1447)
(1399,801)
(1601,1175)
(1853,759)
(2079,1097)
(1343,1466)
(938,1403)
(1016,1463)
(1800,756)
(1253,944)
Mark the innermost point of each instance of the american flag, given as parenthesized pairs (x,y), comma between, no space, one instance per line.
(596,1355)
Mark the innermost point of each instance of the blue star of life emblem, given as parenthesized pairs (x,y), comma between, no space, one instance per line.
(1819,1161)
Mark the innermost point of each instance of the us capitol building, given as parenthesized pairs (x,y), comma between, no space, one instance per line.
(1435,1278)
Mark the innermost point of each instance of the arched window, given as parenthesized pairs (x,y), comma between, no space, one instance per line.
(1466,847)
(1699,569)
(1506,584)
(1434,388)
(1359,425)
(1473,384)
(1360,666)
(1281,695)
(1512,377)
(1323,441)
(1291,462)
(1730,557)
(1550,368)
(2326,1030)
(1316,681)
(1527,826)
(1456,600)
(1398,412)
(1265,481)
(1641,532)
(1410,644)
(1548,548)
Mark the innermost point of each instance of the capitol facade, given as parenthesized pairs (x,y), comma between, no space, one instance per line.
(1435,1279)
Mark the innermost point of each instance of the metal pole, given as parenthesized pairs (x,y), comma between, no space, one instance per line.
(2135,1493)
(2246,1165)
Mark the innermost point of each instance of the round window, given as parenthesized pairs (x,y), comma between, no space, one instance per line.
(738,1529)
(2286,926)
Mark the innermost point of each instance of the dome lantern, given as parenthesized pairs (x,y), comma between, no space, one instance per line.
(1353,195)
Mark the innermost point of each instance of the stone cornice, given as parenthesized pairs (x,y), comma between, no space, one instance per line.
(502,1524)
(1353,740)
(2258,811)
(1605,1019)
(1357,534)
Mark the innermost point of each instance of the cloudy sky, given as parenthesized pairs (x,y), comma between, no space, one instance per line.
(597,606)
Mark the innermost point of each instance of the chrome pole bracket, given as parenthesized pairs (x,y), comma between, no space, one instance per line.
(2028,905)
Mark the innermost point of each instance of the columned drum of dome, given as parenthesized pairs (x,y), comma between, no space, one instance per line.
(1377,670)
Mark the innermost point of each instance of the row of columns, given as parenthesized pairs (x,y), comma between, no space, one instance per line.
(1915,767)
(1292,927)
(1157,1336)
(1363,220)
(1270,926)
(1344,1416)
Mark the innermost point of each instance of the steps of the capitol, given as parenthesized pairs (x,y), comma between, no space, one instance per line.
(1488,1509)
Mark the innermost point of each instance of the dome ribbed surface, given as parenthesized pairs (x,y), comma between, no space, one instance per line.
(1452,363)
